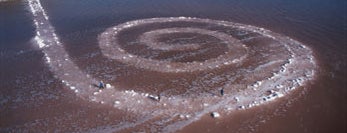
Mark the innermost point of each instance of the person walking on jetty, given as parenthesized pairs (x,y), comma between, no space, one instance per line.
(101,85)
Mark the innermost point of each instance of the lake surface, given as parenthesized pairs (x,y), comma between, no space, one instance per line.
(34,99)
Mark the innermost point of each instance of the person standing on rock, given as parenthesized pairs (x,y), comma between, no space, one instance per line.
(222,92)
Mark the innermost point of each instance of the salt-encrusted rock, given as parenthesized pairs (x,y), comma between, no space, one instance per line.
(273,95)
(237,99)
(72,87)
(157,98)
(215,114)
(242,107)
(116,102)
(187,116)
(108,86)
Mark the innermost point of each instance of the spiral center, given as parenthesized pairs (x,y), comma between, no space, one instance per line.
(171,49)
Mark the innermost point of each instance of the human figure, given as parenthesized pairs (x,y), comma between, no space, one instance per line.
(222,91)
(159,97)
(101,85)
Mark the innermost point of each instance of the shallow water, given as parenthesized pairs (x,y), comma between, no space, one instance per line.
(33,98)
